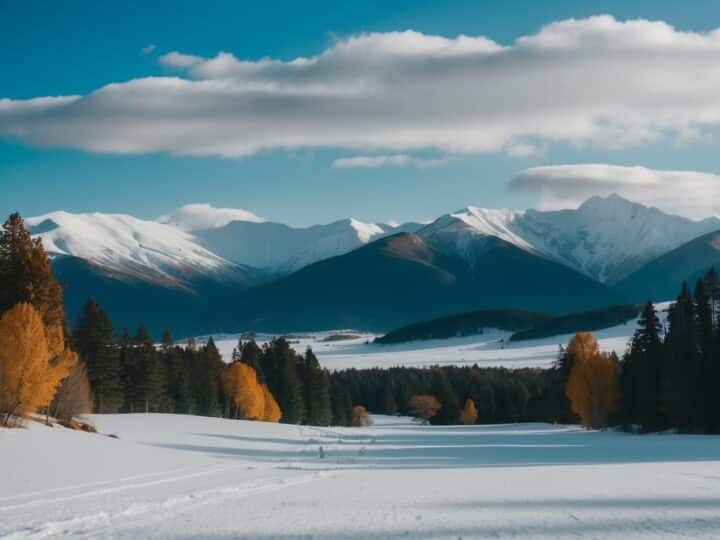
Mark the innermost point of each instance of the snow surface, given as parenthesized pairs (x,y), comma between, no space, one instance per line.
(492,348)
(171,476)
(193,217)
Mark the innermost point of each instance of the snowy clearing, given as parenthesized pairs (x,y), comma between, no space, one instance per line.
(490,349)
(194,477)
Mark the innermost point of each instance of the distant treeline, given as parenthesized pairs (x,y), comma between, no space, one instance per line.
(466,324)
(524,324)
(132,374)
(584,321)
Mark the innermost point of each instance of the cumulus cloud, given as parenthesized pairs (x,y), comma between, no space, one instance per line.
(592,81)
(688,193)
(368,162)
(147,50)
(193,217)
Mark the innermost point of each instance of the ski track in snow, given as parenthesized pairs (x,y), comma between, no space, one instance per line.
(109,523)
(174,476)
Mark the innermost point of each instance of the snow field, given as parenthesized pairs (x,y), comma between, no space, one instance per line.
(172,476)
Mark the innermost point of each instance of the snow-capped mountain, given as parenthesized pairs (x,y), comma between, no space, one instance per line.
(282,249)
(606,238)
(129,248)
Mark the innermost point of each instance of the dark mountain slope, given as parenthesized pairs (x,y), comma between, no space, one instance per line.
(200,306)
(662,278)
(403,278)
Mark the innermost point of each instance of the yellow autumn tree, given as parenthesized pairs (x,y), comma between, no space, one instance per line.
(272,411)
(240,382)
(29,374)
(469,414)
(62,359)
(593,387)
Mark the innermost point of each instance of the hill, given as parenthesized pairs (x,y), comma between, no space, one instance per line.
(465,324)
(584,321)
(662,278)
(397,280)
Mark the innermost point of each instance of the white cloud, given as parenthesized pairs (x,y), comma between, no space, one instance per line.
(178,60)
(590,81)
(688,193)
(368,162)
(147,50)
(193,217)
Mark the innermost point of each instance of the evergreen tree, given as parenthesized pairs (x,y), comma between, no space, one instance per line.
(341,404)
(317,391)
(250,353)
(441,389)
(167,341)
(207,370)
(389,404)
(290,387)
(150,384)
(642,372)
(681,363)
(706,385)
(94,341)
(26,274)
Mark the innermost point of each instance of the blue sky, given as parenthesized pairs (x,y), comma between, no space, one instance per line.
(75,48)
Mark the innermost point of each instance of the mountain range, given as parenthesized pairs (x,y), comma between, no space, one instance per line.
(204,269)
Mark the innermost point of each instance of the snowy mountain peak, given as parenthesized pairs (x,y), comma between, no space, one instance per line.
(195,217)
(127,246)
(605,238)
(366,231)
(465,225)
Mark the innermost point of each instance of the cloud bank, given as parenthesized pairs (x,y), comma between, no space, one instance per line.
(594,81)
(686,193)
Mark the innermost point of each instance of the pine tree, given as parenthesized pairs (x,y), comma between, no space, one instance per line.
(26,274)
(280,365)
(441,389)
(250,353)
(642,373)
(705,386)
(94,341)
(167,341)
(148,381)
(389,404)
(681,364)
(317,391)
(207,371)
(341,404)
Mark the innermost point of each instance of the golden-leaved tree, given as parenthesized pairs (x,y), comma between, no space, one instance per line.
(469,414)
(33,362)
(272,412)
(240,382)
(593,387)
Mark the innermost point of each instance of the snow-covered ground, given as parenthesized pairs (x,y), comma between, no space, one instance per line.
(491,348)
(193,477)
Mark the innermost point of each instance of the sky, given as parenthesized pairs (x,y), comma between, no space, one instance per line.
(309,112)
